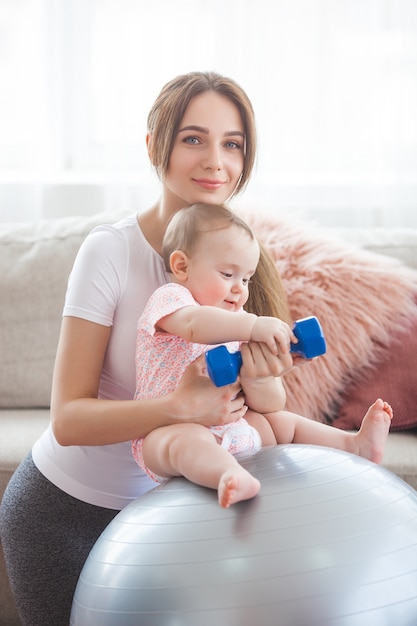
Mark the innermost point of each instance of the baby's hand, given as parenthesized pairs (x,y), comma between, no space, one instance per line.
(275,333)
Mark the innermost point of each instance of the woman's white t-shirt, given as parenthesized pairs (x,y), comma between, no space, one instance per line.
(114,274)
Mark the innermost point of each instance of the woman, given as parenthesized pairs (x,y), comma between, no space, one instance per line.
(201,140)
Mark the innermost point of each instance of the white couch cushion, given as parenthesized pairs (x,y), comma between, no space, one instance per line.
(36,258)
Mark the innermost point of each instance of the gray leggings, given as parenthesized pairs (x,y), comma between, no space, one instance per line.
(46,536)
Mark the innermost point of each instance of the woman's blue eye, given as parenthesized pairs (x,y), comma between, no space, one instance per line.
(192,140)
(232,144)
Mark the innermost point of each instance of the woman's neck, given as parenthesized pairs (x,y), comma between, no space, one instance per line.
(153,222)
(153,227)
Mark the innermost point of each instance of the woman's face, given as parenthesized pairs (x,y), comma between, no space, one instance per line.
(208,153)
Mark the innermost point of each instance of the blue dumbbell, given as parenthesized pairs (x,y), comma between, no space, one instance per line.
(223,366)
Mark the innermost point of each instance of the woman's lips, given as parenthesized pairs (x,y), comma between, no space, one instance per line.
(207,183)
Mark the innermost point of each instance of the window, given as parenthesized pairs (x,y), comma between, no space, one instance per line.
(334,86)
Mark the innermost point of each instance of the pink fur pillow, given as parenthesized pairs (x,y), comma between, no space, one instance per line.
(361,300)
(393,378)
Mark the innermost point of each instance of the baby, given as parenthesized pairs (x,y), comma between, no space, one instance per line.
(212,255)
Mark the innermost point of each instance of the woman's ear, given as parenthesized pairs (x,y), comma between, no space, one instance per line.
(179,265)
(152,157)
(148,144)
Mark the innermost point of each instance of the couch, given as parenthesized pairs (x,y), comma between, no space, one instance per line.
(35,260)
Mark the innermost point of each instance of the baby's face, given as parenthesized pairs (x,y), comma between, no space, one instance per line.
(221,267)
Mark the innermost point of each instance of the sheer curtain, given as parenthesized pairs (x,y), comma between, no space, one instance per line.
(333,83)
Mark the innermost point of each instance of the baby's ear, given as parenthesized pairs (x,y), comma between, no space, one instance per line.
(179,265)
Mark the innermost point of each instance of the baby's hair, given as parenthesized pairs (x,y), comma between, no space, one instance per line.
(266,293)
(187,225)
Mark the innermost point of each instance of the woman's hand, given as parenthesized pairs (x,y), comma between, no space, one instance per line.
(199,401)
(259,362)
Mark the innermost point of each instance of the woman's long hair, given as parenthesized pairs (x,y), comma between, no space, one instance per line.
(267,294)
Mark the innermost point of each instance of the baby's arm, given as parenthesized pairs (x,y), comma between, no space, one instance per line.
(264,395)
(212,325)
(260,378)
(208,324)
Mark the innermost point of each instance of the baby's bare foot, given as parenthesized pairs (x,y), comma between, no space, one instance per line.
(370,440)
(236,485)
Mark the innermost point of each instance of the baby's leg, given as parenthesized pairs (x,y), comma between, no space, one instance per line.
(273,428)
(192,451)
(368,442)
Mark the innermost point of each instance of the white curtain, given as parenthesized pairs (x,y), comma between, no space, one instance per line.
(333,83)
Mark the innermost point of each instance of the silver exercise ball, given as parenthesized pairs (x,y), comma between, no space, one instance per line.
(331,540)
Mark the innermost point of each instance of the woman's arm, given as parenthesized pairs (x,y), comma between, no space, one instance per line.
(80,418)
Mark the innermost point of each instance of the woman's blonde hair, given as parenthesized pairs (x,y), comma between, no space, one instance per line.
(266,293)
(168,110)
